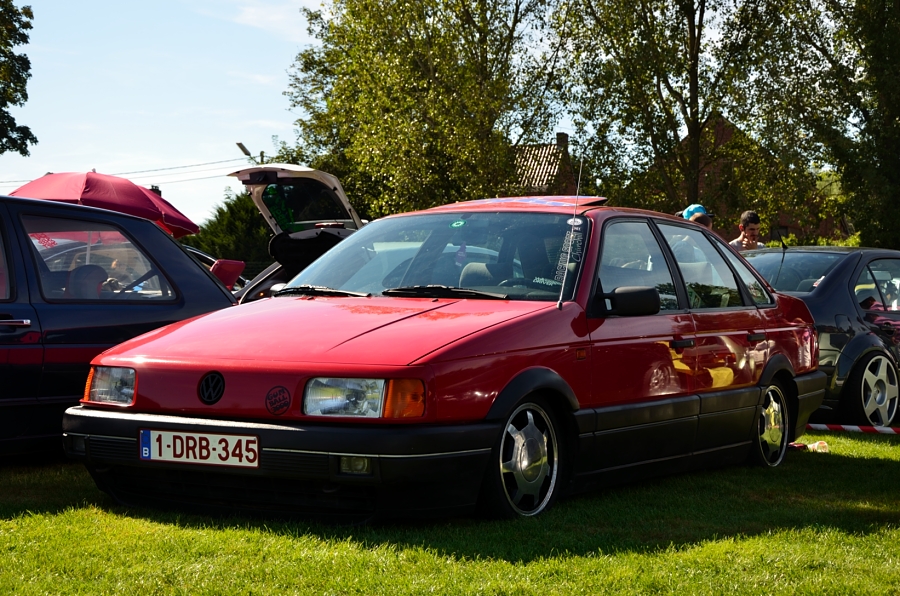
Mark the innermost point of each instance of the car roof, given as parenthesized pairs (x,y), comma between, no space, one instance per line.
(561,204)
(828,249)
(74,207)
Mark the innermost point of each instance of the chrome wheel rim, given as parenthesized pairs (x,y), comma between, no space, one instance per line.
(879,391)
(773,432)
(528,460)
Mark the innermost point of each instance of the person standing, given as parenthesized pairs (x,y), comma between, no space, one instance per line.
(749,227)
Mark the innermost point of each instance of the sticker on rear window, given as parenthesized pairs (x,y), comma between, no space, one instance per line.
(458,223)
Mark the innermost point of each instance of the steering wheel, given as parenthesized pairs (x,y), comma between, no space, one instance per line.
(150,273)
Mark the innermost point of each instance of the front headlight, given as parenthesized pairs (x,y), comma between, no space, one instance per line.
(364,398)
(111,385)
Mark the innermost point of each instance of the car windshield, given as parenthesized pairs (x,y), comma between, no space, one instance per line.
(519,256)
(793,271)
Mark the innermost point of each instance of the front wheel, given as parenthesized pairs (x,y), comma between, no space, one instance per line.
(523,477)
(773,428)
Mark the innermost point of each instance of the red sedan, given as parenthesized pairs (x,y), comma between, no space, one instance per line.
(496,353)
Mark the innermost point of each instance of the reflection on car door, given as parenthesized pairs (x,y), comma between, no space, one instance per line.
(641,377)
(731,349)
(21,350)
(877,294)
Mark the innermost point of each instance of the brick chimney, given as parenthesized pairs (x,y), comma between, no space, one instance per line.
(562,141)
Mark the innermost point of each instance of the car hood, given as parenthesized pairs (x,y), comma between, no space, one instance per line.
(366,331)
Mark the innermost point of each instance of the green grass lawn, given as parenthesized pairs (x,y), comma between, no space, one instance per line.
(819,524)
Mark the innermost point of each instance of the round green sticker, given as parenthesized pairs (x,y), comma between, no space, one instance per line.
(458,223)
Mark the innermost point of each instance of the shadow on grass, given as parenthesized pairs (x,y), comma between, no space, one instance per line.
(810,490)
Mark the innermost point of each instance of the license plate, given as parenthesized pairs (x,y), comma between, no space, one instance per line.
(200,448)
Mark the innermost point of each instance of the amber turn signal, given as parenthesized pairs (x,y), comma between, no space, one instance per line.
(87,386)
(404,398)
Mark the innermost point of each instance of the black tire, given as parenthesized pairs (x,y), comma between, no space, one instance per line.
(871,393)
(524,474)
(772,432)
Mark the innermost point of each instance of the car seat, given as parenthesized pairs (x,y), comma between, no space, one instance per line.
(84,282)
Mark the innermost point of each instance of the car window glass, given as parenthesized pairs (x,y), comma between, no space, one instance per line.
(757,291)
(710,282)
(631,256)
(525,256)
(84,260)
(877,287)
(303,203)
(792,270)
(4,271)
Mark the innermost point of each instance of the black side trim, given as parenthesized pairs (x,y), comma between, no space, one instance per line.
(527,382)
(665,410)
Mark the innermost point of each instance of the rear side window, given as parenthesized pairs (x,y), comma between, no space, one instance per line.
(710,282)
(84,260)
(4,270)
(877,286)
(757,291)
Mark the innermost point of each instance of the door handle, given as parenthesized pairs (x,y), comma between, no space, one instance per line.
(15,322)
(756,336)
(678,344)
(888,326)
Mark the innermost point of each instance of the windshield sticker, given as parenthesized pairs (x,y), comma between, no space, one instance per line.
(574,222)
(458,223)
(571,252)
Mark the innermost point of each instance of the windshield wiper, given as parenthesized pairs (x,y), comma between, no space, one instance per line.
(438,291)
(319,291)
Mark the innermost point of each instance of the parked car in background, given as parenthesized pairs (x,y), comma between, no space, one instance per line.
(499,352)
(75,281)
(852,294)
(307,211)
(229,275)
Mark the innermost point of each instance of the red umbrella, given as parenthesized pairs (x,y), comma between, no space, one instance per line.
(109,192)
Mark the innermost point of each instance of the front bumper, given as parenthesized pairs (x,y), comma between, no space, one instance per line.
(415,470)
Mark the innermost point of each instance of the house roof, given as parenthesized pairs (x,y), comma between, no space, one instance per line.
(537,166)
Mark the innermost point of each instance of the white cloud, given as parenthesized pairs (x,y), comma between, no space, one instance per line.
(280,18)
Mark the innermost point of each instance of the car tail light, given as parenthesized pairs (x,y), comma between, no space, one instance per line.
(404,398)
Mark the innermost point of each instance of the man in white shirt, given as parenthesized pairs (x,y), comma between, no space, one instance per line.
(749,227)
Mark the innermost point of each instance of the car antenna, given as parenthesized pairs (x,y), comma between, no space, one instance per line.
(781,239)
(571,235)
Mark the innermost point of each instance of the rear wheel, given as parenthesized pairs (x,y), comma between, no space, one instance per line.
(872,391)
(773,428)
(523,477)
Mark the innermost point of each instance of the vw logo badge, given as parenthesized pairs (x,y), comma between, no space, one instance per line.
(211,388)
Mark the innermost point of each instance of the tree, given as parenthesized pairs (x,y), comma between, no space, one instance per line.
(834,76)
(236,231)
(651,83)
(419,104)
(15,70)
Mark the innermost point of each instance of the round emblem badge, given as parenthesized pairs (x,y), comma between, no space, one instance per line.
(278,400)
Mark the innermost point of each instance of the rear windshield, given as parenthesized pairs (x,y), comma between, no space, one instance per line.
(523,256)
(793,271)
(302,203)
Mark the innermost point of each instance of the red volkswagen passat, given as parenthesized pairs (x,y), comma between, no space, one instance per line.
(499,353)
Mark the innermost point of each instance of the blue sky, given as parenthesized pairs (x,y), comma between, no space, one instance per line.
(126,86)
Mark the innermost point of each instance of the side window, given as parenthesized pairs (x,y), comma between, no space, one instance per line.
(710,282)
(4,270)
(631,256)
(84,260)
(757,290)
(877,286)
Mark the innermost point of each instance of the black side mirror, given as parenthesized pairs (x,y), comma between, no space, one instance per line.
(631,301)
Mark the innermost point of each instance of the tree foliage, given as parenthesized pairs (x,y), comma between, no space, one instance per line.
(657,89)
(419,104)
(834,78)
(15,70)
(235,231)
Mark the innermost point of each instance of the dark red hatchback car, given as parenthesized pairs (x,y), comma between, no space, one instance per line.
(497,353)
